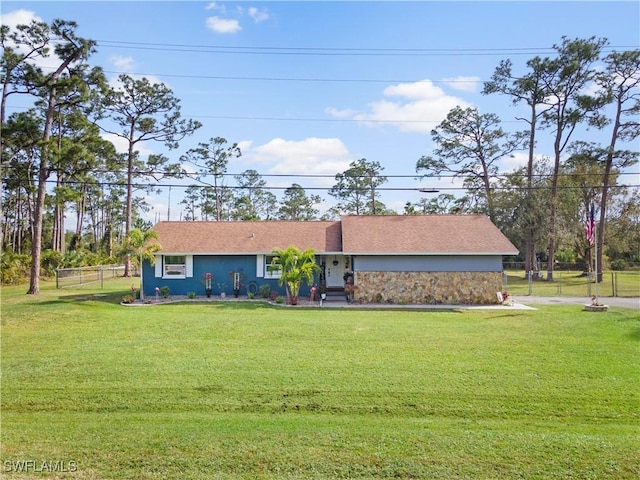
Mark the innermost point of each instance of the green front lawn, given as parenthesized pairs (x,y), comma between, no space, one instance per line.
(247,390)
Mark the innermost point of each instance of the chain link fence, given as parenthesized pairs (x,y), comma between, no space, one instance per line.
(572,283)
(76,277)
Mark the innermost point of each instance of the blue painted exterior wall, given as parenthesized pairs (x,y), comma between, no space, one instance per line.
(219,267)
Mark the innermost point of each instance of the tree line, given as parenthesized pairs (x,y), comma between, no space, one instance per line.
(55,158)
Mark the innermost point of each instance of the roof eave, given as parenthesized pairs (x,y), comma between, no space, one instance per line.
(432,254)
(253,252)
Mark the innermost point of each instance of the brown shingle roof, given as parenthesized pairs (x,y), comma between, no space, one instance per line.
(424,234)
(365,234)
(248,237)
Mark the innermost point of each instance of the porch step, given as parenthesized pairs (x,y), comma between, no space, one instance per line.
(334,290)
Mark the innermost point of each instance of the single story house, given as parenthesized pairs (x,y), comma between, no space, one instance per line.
(429,259)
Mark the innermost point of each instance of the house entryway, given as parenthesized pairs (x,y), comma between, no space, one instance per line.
(335,269)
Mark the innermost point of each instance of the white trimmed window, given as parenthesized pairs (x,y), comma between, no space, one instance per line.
(269,270)
(175,266)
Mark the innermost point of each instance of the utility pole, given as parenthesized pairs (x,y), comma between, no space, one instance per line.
(169,206)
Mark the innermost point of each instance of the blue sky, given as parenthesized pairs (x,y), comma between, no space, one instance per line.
(308,87)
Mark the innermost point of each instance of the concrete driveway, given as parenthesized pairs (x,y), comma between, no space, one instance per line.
(624,302)
(521,302)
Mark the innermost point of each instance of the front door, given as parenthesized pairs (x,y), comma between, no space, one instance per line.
(335,270)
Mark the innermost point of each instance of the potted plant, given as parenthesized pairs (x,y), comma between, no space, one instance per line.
(349,288)
(596,306)
(295,267)
(506,300)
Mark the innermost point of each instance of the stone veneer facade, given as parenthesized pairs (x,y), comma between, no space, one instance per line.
(451,288)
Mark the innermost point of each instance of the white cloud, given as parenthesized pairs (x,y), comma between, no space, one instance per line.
(127,65)
(419,107)
(245,145)
(464,84)
(18,17)
(423,90)
(520,159)
(223,25)
(124,64)
(515,161)
(258,15)
(316,156)
(334,112)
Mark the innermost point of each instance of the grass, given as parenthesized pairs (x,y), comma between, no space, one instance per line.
(574,284)
(234,391)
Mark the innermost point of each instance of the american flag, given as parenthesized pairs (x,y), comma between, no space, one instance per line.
(590,227)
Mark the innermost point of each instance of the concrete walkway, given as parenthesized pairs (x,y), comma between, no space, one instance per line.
(339,301)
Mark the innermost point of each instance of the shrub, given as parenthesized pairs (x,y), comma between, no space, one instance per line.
(618,264)
(128,299)
(273,295)
(164,291)
(250,295)
(50,261)
(14,268)
(191,295)
(279,299)
(565,256)
(265,290)
(74,258)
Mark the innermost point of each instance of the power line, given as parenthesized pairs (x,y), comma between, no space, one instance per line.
(292,79)
(330,175)
(333,51)
(329,120)
(287,79)
(300,119)
(267,187)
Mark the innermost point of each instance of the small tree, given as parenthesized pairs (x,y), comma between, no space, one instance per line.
(294,266)
(296,205)
(253,201)
(140,245)
(212,159)
(355,189)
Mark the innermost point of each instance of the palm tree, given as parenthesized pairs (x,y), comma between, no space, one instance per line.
(140,245)
(294,266)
